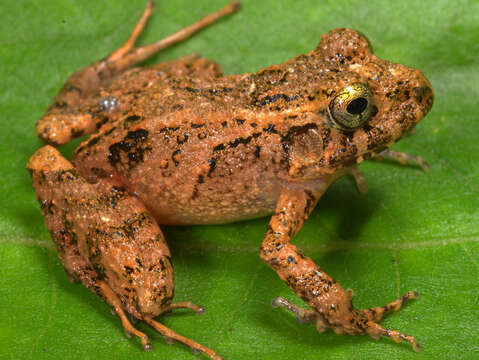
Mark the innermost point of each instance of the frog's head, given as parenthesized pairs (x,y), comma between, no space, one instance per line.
(368,103)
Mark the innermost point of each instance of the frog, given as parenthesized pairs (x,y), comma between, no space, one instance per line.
(181,143)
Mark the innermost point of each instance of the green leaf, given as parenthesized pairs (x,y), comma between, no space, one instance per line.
(413,230)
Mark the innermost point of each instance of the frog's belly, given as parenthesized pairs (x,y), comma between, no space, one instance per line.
(208,213)
(183,200)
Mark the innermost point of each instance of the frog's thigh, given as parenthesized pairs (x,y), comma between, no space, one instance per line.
(111,230)
(78,268)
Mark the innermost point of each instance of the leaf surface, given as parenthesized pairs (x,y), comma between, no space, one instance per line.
(413,231)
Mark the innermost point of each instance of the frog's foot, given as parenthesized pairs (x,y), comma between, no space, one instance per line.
(170,336)
(402,158)
(117,307)
(65,119)
(127,55)
(359,178)
(362,321)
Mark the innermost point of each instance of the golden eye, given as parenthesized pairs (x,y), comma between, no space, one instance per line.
(351,106)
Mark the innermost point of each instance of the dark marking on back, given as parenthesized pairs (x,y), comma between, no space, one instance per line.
(168,130)
(272,98)
(133,118)
(197,126)
(212,164)
(173,156)
(270,129)
(131,150)
(240,140)
(219,147)
(191,90)
(181,139)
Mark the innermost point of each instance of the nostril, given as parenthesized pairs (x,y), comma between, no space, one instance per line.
(423,96)
(420,92)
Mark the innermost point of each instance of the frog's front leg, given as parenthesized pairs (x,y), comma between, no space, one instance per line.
(332,307)
(107,239)
(402,158)
(65,119)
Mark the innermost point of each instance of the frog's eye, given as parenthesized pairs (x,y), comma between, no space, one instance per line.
(351,106)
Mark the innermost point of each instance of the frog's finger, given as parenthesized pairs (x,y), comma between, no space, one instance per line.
(359,178)
(377,313)
(302,315)
(402,158)
(376,330)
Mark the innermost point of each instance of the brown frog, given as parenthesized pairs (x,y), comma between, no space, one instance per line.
(180,143)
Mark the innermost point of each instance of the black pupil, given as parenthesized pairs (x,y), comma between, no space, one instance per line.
(357,106)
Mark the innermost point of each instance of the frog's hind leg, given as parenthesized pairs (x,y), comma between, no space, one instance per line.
(66,240)
(65,120)
(127,55)
(106,238)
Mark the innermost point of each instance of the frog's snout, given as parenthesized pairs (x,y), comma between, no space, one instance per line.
(422,93)
(424,96)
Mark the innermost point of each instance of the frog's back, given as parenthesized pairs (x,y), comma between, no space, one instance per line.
(197,149)
(188,148)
